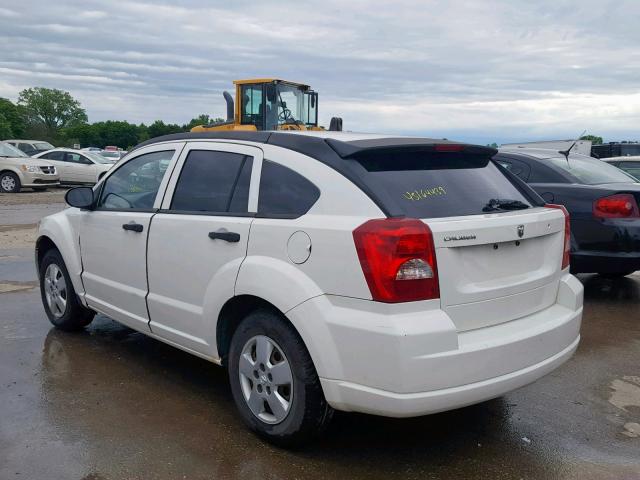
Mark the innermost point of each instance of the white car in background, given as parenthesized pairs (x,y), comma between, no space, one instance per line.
(77,166)
(630,164)
(112,155)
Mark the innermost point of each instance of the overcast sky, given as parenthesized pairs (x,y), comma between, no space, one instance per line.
(468,70)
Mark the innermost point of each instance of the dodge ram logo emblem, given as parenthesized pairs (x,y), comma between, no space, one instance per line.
(520,231)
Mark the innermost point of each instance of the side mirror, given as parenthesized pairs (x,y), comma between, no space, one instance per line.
(80,197)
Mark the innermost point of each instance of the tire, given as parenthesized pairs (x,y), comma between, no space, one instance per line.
(9,183)
(616,274)
(59,299)
(307,413)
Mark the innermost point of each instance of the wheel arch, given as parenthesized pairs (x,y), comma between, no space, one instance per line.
(56,231)
(231,315)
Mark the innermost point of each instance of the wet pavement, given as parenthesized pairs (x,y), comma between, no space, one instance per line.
(110,403)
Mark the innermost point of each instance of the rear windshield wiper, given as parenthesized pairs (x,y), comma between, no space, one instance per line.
(504,204)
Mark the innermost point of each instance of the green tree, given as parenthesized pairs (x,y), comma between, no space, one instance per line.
(595,140)
(50,110)
(13,116)
(5,128)
(202,119)
(159,128)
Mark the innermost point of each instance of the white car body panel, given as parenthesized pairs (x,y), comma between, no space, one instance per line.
(117,284)
(503,319)
(73,172)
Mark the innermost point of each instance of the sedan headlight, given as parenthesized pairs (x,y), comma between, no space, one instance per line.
(29,168)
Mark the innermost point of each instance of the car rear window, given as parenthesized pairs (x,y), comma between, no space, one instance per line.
(590,171)
(438,184)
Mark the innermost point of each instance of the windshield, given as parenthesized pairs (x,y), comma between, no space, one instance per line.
(97,158)
(7,150)
(296,106)
(43,146)
(591,171)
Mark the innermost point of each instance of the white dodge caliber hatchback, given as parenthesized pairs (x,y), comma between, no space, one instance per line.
(328,270)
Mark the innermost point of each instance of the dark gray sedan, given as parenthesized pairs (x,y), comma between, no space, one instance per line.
(601,199)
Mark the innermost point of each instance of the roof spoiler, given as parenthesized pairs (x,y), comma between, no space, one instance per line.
(356,148)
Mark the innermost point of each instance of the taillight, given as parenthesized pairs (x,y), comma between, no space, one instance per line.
(621,205)
(398,258)
(567,235)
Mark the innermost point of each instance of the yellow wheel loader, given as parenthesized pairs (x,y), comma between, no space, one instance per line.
(270,104)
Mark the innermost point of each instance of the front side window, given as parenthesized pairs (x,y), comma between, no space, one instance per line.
(77,158)
(136,183)
(284,192)
(213,182)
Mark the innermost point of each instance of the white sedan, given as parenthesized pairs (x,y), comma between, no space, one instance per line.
(77,166)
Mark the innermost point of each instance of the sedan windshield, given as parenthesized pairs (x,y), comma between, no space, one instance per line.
(96,158)
(7,150)
(43,146)
(591,171)
(111,155)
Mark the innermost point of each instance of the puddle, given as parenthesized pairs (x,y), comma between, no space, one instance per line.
(7,287)
(632,429)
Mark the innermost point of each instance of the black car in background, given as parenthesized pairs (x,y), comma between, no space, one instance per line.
(602,201)
(615,149)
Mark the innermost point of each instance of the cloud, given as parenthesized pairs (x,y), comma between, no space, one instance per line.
(486,71)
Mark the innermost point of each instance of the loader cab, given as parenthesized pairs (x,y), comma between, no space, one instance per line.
(270,104)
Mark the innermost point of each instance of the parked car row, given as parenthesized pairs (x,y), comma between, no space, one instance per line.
(18,170)
(49,168)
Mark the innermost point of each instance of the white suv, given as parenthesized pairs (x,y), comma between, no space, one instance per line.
(327,270)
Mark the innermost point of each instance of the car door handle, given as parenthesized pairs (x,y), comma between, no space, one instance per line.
(223,234)
(134,227)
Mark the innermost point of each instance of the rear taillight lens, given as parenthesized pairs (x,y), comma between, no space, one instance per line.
(398,258)
(566,255)
(621,205)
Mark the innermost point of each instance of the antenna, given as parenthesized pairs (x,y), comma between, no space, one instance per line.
(568,150)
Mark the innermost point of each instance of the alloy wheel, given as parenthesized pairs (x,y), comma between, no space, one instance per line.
(266,379)
(8,183)
(55,290)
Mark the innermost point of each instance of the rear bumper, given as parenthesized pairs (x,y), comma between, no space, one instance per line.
(409,359)
(354,397)
(604,262)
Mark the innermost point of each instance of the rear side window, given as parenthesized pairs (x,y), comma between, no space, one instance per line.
(438,184)
(284,192)
(57,155)
(214,182)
